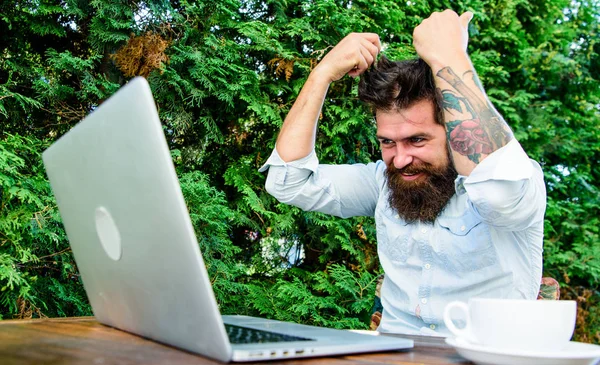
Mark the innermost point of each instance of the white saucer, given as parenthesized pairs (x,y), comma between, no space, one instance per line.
(575,353)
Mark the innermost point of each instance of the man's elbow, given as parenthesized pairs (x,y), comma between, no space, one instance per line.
(518,208)
(272,187)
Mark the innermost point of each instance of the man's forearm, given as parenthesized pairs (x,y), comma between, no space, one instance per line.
(352,56)
(474,128)
(298,132)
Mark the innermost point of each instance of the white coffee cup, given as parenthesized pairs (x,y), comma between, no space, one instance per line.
(515,324)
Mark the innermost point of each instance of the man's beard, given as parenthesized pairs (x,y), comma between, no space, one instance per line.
(422,199)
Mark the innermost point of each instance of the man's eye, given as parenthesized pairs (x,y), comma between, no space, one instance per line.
(417,140)
(386,142)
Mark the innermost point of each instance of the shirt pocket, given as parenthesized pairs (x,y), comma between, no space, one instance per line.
(393,240)
(465,243)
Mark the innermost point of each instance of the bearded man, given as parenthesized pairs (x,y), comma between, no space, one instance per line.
(458,205)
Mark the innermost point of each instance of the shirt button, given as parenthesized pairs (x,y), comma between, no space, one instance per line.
(427,266)
(432,326)
(424,300)
(462,228)
(397,216)
(424,230)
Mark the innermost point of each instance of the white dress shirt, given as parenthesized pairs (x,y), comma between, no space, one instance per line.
(487,242)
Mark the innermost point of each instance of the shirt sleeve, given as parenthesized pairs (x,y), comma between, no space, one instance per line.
(340,190)
(506,189)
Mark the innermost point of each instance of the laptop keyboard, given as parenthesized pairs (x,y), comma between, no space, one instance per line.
(241,335)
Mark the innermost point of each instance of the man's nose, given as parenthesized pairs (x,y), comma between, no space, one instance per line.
(402,157)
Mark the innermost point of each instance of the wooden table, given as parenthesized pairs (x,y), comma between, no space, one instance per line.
(85,341)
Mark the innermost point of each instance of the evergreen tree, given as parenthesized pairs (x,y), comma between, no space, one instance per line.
(224,74)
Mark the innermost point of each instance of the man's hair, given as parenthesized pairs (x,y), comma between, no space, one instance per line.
(399,85)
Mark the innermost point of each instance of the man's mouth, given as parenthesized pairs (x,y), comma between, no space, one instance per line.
(409,176)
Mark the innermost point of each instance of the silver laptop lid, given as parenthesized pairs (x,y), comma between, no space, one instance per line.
(120,226)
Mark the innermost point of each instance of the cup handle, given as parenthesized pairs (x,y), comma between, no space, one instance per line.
(464,333)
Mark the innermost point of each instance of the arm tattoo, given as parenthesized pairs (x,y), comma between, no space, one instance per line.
(480,129)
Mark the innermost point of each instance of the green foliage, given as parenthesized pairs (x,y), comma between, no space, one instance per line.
(228,76)
(336,297)
(212,219)
(37,273)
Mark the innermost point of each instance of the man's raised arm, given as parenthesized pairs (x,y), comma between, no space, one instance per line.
(474,128)
(353,56)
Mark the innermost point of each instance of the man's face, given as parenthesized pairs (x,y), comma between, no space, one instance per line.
(411,137)
(414,149)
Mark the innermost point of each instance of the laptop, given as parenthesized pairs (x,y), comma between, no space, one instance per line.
(135,248)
